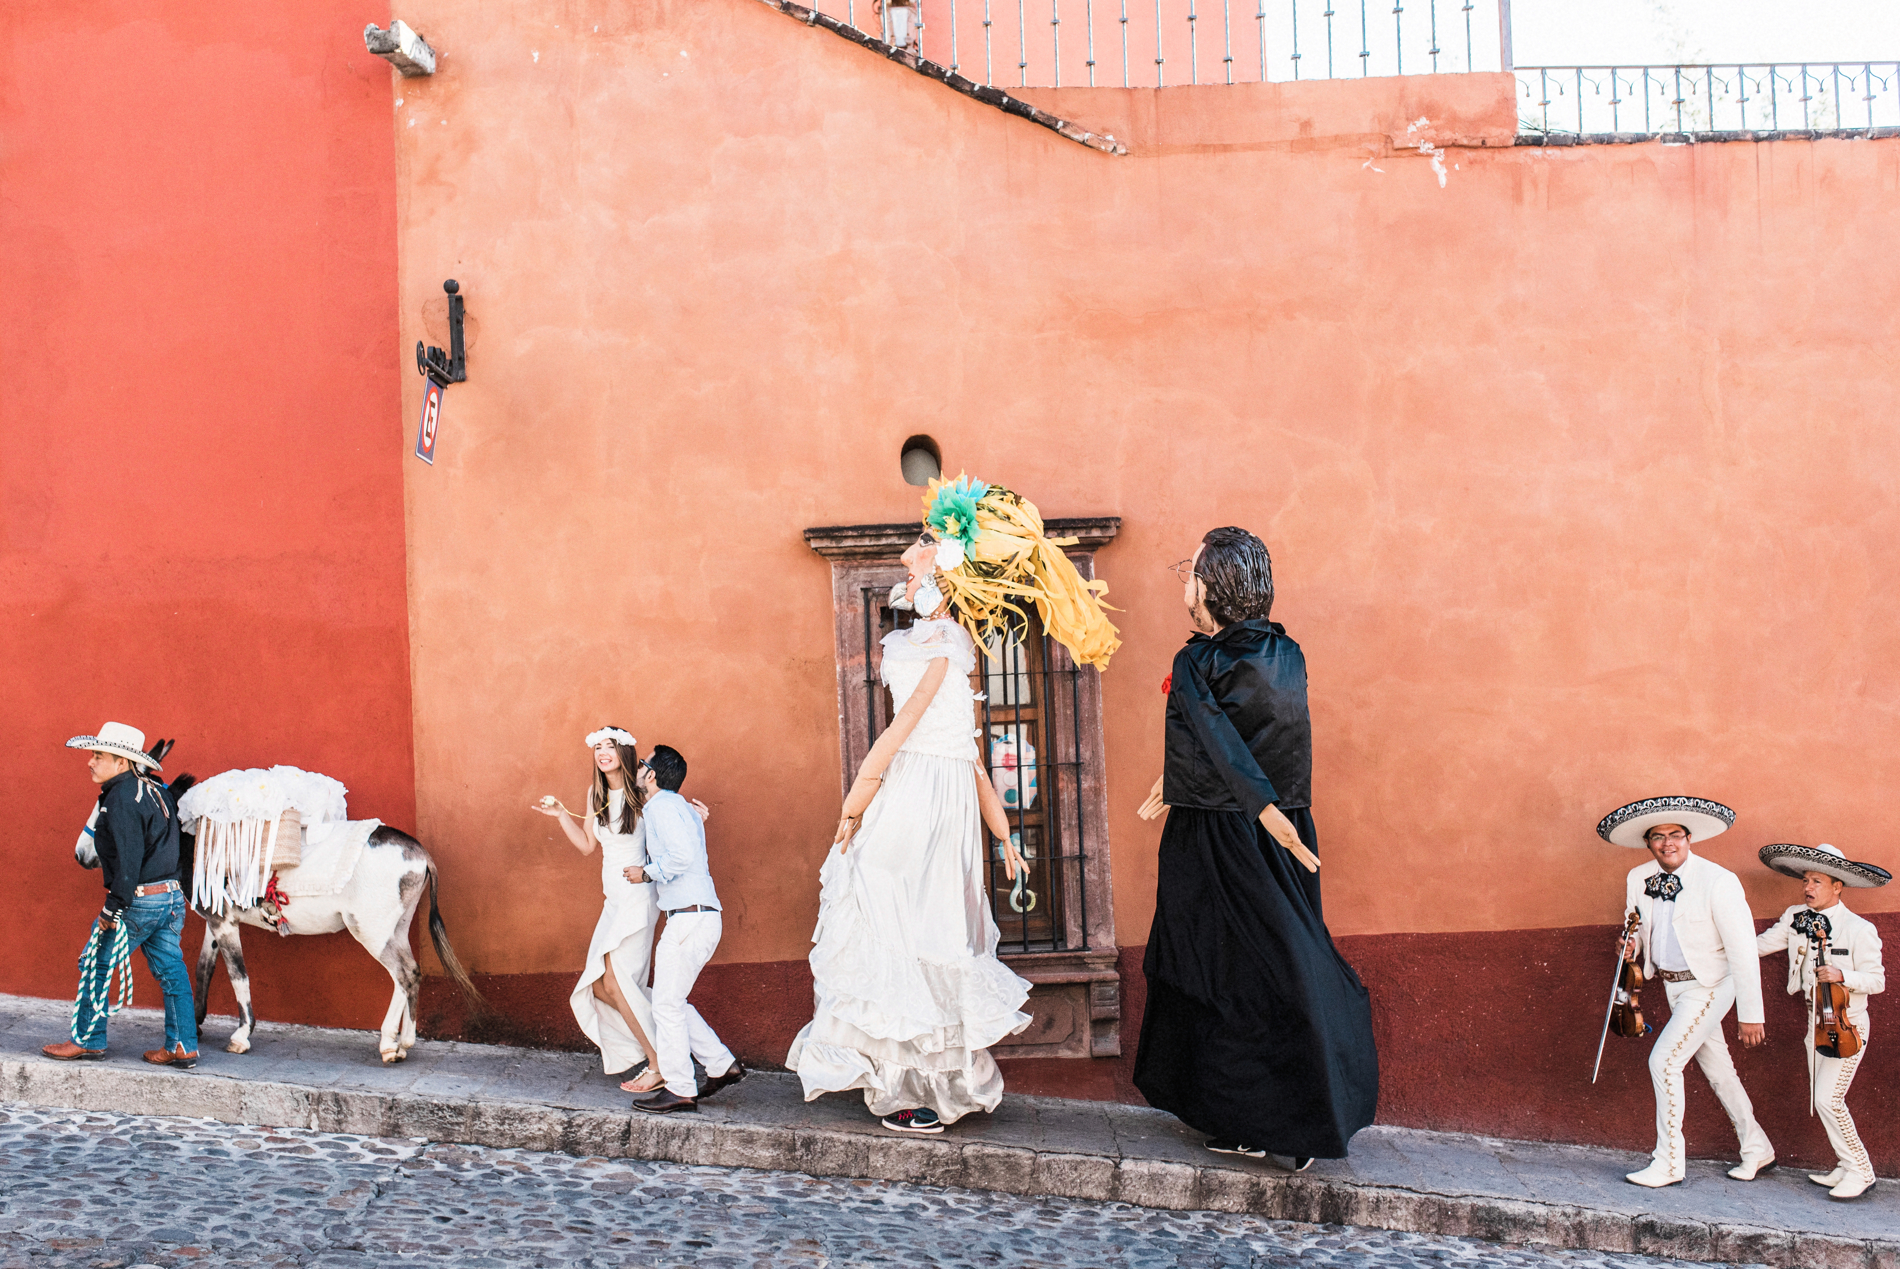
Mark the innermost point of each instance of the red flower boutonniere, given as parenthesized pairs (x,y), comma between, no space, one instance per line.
(1167,684)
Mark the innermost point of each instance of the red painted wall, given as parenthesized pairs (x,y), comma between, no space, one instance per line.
(201,517)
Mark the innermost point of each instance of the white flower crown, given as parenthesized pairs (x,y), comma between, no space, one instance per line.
(614,734)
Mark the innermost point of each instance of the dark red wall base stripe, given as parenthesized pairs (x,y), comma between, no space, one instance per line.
(1488,1033)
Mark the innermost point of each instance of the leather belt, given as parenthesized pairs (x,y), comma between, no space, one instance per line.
(154,887)
(697,907)
(1675,975)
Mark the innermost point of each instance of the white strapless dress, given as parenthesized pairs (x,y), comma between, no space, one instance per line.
(625,932)
(908,992)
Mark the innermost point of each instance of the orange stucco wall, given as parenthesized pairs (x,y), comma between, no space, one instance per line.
(1577,465)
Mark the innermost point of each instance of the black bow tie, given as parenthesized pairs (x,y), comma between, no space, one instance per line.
(1811,923)
(1664,885)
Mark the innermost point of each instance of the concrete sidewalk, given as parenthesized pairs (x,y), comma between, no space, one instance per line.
(1440,1183)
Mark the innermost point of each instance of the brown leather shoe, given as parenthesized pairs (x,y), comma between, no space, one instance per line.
(176,1056)
(67,1051)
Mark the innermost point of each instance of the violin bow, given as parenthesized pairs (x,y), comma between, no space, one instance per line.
(1616,981)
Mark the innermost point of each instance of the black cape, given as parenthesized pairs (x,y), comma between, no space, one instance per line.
(1256,1029)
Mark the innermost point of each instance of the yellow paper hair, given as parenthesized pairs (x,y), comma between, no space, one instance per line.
(1013,563)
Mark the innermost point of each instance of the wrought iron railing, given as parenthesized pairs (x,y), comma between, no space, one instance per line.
(1690,100)
(1164,43)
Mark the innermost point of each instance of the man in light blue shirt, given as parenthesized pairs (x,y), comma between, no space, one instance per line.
(676,863)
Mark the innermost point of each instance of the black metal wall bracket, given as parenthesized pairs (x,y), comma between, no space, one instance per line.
(452,367)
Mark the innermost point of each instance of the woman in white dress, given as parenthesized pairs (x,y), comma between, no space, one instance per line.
(612,1002)
(908,992)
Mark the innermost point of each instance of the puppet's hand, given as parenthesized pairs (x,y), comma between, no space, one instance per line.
(1013,860)
(1154,805)
(704,813)
(1283,832)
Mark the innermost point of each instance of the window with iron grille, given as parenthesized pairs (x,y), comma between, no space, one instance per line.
(1040,735)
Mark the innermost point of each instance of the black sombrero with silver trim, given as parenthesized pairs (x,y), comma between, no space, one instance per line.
(1792,861)
(1626,825)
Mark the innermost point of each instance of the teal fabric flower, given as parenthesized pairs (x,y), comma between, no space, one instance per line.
(953,511)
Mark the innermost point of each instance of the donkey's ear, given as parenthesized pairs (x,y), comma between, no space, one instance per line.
(160,748)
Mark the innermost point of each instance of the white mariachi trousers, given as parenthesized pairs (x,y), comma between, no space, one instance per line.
(1831,1079)
(1694,1030)
(679,1033)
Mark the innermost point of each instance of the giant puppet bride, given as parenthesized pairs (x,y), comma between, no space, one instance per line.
(908,995)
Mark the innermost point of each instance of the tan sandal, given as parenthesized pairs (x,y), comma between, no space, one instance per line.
(641,1085)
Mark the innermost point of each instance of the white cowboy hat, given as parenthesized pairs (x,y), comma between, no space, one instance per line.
(1792,861)
(1626,825)
(119,740)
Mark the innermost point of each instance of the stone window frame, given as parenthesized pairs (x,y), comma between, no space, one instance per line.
(1075,1004)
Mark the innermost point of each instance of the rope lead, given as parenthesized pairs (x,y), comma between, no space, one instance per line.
(95,981)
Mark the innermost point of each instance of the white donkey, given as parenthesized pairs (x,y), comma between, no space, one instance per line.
(376,905)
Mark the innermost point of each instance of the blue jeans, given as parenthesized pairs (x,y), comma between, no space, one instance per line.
(154,923)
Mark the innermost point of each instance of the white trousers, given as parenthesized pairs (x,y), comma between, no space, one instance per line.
(679,1033)
(1831,1079)
(1694,1031)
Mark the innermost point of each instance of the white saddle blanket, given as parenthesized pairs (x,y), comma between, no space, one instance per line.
(331,853)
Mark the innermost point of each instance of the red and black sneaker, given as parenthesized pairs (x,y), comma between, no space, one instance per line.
(920,1120)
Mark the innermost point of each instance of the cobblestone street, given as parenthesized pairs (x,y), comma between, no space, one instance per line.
(116,1192)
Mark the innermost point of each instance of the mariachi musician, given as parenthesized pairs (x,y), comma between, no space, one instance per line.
(1697,935)
(1853,960)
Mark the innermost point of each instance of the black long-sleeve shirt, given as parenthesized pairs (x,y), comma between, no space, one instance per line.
(1238,734)
(136,836)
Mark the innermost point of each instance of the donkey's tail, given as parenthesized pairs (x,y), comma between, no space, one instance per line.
(439,936)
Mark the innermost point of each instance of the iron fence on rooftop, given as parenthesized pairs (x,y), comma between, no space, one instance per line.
(1166,43)
(1634,101)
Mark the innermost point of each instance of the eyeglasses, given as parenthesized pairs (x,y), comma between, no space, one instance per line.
(1677,836)
(1183,570)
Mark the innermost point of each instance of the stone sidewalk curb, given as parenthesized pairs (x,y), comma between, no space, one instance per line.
(925,1161)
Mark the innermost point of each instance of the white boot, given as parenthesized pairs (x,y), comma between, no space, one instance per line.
(1830,1180)
(1748,1170)
(1655,1176)
(1852,1186)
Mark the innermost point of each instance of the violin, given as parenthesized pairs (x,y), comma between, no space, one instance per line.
(1625,1013)
(1626,1008)
(1834,1035)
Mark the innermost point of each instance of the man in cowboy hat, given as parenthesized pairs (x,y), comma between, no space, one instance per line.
(1698,936)
(1853,954)
(136,835)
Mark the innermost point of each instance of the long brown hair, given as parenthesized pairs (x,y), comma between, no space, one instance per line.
(636,799)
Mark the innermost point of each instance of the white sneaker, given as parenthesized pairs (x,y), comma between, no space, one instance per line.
(1852,1187)
(1830,1180)
(1748,1171)
(1655,1176)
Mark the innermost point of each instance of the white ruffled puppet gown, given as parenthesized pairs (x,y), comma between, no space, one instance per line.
(908,993)
(625,932)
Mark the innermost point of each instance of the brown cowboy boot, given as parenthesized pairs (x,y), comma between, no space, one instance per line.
(67,1051)
(175,1056)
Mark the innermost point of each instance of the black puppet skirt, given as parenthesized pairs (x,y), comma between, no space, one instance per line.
(1256,1029)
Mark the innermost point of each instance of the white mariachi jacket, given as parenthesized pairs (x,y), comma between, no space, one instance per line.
(1853,948)
(1713,926)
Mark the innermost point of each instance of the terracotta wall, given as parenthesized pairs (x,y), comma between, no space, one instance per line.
(200,497)
(1577,464)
